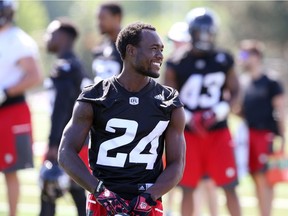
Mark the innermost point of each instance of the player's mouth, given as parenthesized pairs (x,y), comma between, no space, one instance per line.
(156,65)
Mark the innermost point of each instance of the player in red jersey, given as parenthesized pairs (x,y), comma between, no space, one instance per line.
(267,93)
(208,86)
(131,119)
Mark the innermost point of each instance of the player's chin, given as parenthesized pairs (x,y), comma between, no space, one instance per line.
(153,73)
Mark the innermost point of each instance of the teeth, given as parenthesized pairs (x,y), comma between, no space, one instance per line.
(157,64)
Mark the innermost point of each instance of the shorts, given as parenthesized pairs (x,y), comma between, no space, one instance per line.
(95,209)
(15,138)
(260,146)
(211,156)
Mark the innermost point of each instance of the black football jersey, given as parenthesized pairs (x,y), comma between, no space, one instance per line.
(106,61)
(201,80)
(66,76)
(257,106)
(127,137)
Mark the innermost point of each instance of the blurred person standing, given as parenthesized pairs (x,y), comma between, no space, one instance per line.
(19,71)
(65,78)
(208,86)
(206,190)
(264,112)
(107,61)
(131,118)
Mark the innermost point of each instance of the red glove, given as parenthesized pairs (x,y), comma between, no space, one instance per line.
(201,121)
(112,202)
(142,205)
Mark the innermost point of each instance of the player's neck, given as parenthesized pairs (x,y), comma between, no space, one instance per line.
(132,82)
(256,72)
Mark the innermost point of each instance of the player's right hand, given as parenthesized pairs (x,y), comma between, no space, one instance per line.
(112,202)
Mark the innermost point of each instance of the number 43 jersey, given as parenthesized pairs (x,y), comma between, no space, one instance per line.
(201,79)
(127,136)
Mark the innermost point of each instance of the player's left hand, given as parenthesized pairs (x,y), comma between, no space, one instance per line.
(111,201)
(142,205)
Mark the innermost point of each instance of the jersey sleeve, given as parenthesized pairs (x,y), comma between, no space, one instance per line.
(276,88)
(171,99)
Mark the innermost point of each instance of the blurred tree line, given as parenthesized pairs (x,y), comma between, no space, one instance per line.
(263,20)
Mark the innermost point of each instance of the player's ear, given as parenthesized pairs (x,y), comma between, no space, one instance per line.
(131,50)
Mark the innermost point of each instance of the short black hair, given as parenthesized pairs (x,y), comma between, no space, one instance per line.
(68,27)
(131,34)
(114,8)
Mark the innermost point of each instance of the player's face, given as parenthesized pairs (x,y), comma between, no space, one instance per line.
(105,21)
(51,36)
(149,54)
(247,60)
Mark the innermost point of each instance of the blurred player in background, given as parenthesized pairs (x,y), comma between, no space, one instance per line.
(19,71)
(65,78)
(107,61)
(208,86)
(264,112)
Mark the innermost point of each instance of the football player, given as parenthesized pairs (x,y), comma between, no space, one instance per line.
(131,118)
(106,59)
(19,71)
(65,77)
(208,86)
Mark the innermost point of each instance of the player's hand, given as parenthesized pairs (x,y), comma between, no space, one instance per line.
(112,202)
(208,119)
(196,123)
(3,96)
(141,205)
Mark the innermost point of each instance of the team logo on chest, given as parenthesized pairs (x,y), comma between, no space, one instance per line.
(134,100)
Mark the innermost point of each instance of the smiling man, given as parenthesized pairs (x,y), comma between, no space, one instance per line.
(131,119)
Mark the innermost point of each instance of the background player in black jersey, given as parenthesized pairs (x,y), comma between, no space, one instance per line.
(131,118)
(107,61)
(208,86)
(66,77)
(264,111)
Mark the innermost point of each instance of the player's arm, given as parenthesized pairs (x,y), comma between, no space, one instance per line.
(32,76)
(233,88)
(278,103)
(175,156)
(73,138)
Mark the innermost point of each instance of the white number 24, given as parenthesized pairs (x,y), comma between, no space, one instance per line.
(135,156)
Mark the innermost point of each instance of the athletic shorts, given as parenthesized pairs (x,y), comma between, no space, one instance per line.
(211,156)
(260,146)
(95,209)
(15,138)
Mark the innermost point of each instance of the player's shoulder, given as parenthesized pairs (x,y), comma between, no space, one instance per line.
(223,57)
(23,37)
(168,96)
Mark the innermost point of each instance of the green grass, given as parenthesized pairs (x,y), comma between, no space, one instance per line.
(29,200)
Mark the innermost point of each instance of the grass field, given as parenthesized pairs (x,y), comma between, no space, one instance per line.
(29,200)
